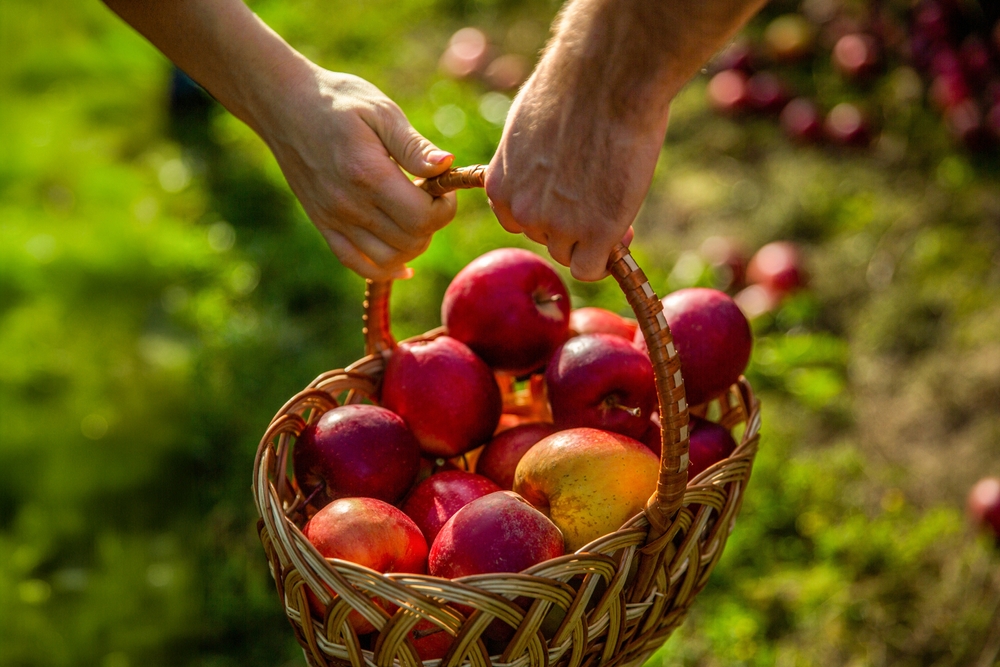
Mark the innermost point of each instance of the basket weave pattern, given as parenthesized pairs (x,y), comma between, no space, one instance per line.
(613,602)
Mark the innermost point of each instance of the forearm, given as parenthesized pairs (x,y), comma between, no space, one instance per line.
(222,45)
(633,56)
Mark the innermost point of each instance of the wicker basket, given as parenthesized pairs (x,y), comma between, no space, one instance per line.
(613,602)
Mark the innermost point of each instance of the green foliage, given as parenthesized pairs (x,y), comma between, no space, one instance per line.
(161,295)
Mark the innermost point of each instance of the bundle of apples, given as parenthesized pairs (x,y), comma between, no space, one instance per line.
(384,484)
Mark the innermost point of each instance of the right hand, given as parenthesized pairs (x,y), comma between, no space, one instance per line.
(340,143)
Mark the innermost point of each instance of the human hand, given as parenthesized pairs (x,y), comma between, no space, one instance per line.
(340,143)
(571,171)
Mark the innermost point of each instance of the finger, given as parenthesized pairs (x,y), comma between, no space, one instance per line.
(505,217)
(537,235)
(414,211)
(378,251)
(408,147)
(356,261)
(629,235)
(589,262)
(561,249)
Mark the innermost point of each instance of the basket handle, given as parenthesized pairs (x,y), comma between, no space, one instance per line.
(669,494)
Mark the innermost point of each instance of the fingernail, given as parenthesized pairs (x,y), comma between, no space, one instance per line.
(404,273)
(438,156)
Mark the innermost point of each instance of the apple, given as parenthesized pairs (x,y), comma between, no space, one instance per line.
(356,450)
(856,55)
(984,504)
(846,125)
(601,381)
(510,307)
(437,498)
(801,120)
(965,122)
(430,641)
(757,300)
(369,532)
(500,457)
(709,444)
(728,92)
(466,53)
(447,395)
(499,532)
(766,93)
(778,266)
(507,72)
(588,481)
(712,337)
(948,90)
(789,38)
(598,320)
(727,258)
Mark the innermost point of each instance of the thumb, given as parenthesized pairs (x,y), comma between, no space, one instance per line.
(408,147)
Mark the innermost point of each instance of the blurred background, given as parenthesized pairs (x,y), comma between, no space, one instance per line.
(162,294)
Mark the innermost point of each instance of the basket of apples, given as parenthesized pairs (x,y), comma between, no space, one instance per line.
(523,486)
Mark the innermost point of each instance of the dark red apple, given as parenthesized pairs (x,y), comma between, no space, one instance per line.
(368,532)
(728,93)
(501,455)
(710,443)
(802,121)
(778,266)
(712,338)
(728,259)
(356,450)
(766,92)
(500,532)
(601,381)
(511,307)
(437,498)
(598,320)
(447,395)
(984,504)
(846,125)
(856,55)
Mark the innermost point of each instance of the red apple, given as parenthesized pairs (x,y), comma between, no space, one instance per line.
(778,267)
(437,498)
(500,532)
(965,122)
(466,54)
(846,125)
(712,338)
(756,300)
(728,259)
(510,307)
(430,641)
(766,92)
(856,55)
(984,504)
(801,120)
(601,381)
(447,395)
(710,443)
(728,92)
(356,450)
(368,532)
(598,320)
(501,455)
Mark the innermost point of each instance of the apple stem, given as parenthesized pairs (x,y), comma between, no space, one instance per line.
(612,403)
(319,487)
(551,299)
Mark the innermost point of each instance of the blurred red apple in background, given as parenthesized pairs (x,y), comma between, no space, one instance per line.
(511,307)
(368,532)
(856,55)
(712,337)
(598,320)
(847,126)
(500,532)
(601,381)
(766,92)
(507,72)
(589,482)
(789,38)
(500,457)
(356,450)
(447,395)
(437,498)
(710,443)
(466,54)
(984,504)
(778,266)
(728,259)
(756,300)
(727,92)
(801,120)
